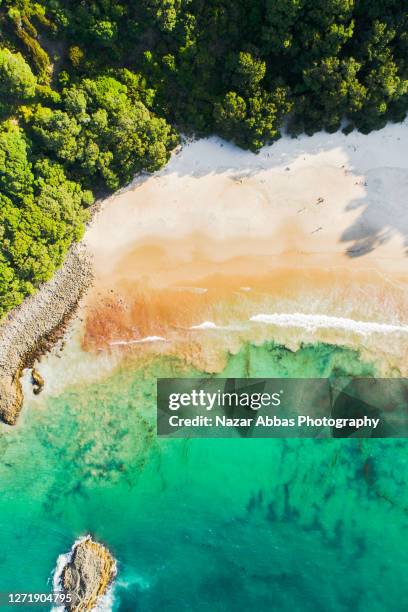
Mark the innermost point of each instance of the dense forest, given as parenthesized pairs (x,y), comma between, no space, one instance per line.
(93,91)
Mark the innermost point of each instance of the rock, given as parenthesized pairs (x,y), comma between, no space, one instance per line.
(87,575)
(37,381)
(11,397)
(32,328)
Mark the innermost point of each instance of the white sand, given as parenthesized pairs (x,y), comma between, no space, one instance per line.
(230,201)
(223,246)
(311,229)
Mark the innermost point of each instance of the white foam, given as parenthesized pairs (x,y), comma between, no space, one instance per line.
(62,561)
(205,325)
(192,289)
(140,581)
(210,325)
(104,603)
(141,341)
(314,321)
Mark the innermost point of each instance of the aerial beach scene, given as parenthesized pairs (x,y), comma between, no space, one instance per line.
(145,235)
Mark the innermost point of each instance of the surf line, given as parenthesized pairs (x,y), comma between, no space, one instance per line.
(315,321)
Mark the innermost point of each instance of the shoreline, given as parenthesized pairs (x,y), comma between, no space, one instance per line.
(313,225)
(30,330)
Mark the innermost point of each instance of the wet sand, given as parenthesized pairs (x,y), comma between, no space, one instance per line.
(185,259)
(305,242)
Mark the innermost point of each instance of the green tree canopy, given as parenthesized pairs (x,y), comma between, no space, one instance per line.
(41,213)
(17,82)
(92,92)
(109,134)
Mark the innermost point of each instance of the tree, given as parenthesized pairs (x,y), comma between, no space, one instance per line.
(17,82)
(336,92)
(103,132)
(247,71)
(252,122)
(58,132)
(104,30)
(41,213)
(16,175)
(164,12)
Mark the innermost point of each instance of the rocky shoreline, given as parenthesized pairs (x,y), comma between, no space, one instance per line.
(87,575)
(31,329)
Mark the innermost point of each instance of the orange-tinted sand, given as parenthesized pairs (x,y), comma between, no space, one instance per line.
(221,235)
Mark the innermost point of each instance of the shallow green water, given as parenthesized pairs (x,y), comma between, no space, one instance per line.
(206,525)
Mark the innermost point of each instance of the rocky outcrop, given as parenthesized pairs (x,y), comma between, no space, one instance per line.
(11,396)
(32,328)
(87,575)
(37,381)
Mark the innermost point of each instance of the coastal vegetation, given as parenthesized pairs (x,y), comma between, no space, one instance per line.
(94,91)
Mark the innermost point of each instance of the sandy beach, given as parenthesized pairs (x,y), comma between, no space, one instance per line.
(305,242)
(226,243)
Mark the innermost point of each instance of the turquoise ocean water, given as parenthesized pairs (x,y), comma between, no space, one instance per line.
(206,525)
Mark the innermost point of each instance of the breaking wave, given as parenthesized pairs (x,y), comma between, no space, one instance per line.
(313,321)
(141,341)
(104,603)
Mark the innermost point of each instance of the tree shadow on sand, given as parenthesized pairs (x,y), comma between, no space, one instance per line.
(384,213)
